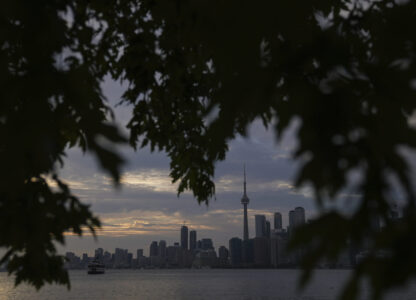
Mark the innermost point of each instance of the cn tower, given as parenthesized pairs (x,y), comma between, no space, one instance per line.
(245,201)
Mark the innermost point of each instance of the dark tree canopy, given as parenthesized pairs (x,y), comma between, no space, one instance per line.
(50,100)
(199,73)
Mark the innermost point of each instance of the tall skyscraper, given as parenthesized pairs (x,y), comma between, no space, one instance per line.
(261,251)
(129,259)
(236,251)
(184,237)
(162,249)
(291,219)
(278,254)
(248,252)
(260,221)
(299,217)
(99,253)
(245,200)
(207,244)
(277,220)
(267,229)
(153,251)
(192,240)
(223,255)
(274,248)
(139,253)
(120,257)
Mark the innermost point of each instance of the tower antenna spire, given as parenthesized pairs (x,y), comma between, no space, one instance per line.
(245,201)
(245,179)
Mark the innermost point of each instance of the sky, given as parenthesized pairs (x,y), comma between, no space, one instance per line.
(146,207)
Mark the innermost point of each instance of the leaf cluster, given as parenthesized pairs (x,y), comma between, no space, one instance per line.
(51,69)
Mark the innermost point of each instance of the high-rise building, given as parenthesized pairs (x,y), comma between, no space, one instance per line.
(129,260)
(248,252)
(99,252)
(120,258)
(223,255)
(236,251)
(260,221)
(291,220)
(207,244)
(278,244)
(192,240)
(274,249)
(85,259)
(262,252)
(107,259)
(139,253)
(153,249)
(178,259)
(184,237)
(162,249)
(299,217)
(245,200)
(277,220)
(268,229)
(171,255)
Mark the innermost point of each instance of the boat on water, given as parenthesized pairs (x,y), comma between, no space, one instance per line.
(96,267)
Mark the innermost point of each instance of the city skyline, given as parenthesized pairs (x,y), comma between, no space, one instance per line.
(266,249)
(185,233)
(146,204)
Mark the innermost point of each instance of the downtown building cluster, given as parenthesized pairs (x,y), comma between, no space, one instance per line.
(190,252)
(268,249)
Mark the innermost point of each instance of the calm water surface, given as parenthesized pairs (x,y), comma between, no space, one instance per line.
(191,284)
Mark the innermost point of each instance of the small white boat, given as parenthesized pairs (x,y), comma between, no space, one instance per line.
(96,267)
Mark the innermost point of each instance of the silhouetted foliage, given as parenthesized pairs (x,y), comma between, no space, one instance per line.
(50,100)
(199,73)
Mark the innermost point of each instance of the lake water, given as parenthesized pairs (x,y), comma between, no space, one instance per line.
(216,284)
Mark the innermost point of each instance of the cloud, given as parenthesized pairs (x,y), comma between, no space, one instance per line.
(157,180)
(142,222)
